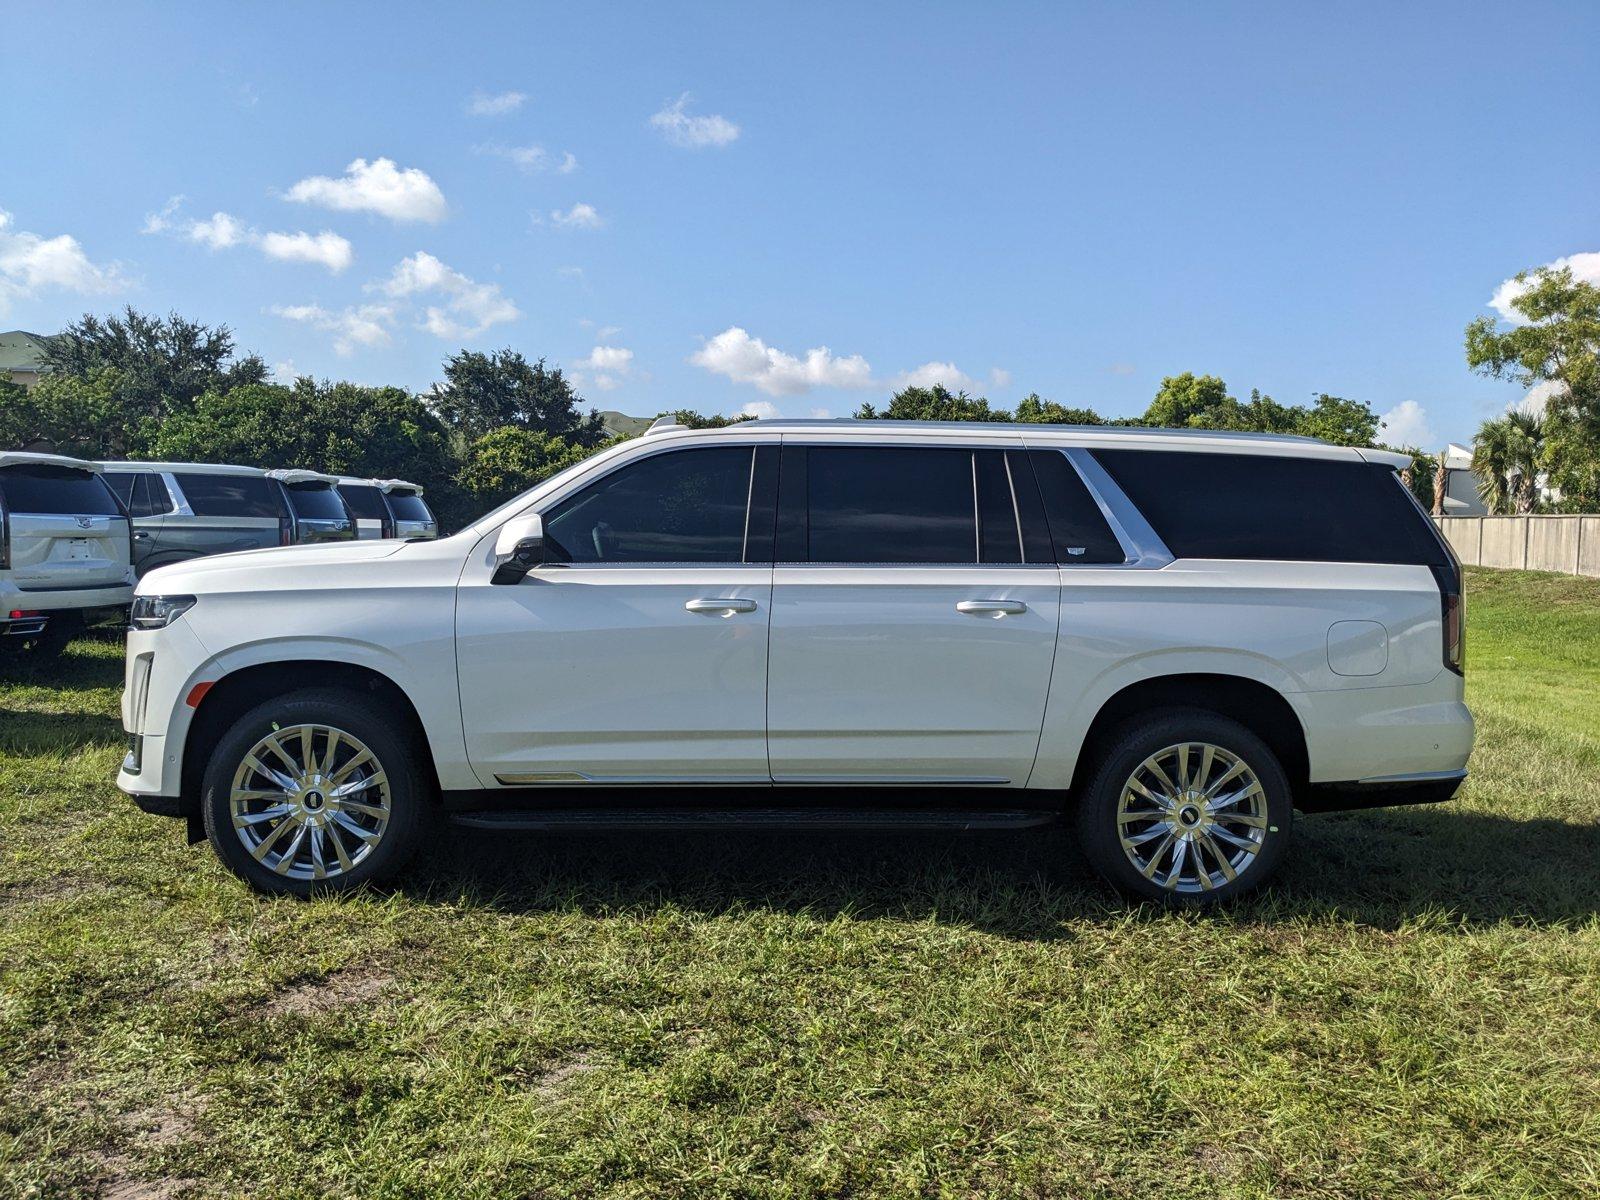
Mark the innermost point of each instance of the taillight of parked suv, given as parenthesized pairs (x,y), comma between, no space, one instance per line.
(1453,617)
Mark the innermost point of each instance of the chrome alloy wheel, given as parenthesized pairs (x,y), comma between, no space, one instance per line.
(1192,817)
(309,802)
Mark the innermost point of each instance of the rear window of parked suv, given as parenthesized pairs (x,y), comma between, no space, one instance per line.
(229,495)
(408,506)
(316,501)
(1254,506)
(56,491)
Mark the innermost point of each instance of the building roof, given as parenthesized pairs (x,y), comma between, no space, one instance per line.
(21,351)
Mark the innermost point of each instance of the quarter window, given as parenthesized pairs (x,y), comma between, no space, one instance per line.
(682,506)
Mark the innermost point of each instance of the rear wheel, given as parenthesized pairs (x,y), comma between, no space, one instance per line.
(314,791)
(1186,806)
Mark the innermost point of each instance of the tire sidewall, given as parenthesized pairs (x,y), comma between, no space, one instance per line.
(1130,746)
(353,714)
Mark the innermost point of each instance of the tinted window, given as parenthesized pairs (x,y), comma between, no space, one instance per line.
(682,506)
(364,501)
(57,491)
(408,506)
(228,495)
(1078,530)
(154,496)
(121,482)
(1260,507)
(316,501)
(888,504)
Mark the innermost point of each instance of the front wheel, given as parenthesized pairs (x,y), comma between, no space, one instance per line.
(314,791)
(1186,806)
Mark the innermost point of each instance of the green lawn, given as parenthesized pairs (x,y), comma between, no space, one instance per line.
(1413,1011)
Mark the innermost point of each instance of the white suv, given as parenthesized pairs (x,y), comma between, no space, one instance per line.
(1176,638)
(66,550)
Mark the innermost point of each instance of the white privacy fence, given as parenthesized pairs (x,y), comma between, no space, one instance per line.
(1570,545)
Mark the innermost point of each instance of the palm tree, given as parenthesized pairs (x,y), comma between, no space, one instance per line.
(1506,456)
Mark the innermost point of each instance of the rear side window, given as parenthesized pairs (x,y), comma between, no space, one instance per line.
(316,501)
(1254,506)
(228,495)
(39,489)
(891,504)
(121,482)
(1078,530)
(408,506)
(681,506)
(365,502)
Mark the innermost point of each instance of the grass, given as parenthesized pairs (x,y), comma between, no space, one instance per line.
(1413,1011)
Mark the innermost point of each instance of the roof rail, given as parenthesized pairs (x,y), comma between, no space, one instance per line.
(663,423)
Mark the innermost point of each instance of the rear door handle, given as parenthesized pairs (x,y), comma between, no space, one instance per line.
(139,535)
(720,604)
(991,608)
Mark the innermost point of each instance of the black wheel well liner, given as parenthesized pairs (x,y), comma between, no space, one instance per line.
(1255,705)
(237,692)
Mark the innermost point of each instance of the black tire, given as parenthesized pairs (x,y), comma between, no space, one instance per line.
(1123,752)
(372,723)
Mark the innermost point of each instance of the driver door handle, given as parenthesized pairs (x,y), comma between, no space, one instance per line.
(992,608)
(717,604)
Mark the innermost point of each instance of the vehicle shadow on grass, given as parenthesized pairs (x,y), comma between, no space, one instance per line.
(1382,869)
(24,731)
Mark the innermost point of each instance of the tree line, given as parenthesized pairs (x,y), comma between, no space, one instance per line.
(133,385)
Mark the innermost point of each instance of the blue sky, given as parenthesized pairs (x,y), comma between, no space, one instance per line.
(1069,199)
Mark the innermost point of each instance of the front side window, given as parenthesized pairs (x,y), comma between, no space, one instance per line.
(45,490)
(682,506)
(228,495)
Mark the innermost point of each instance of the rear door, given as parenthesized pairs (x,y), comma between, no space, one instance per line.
(914,616)
(67,529)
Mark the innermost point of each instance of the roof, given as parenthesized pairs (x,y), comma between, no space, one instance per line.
(17,458)
(182,468)
(21,351)
(1089,436)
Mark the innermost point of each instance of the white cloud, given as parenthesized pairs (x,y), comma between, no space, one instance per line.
(763,410)
(1539,395)
(607,366)
(365,325)
(221,232)
(160,222)
(529,159)
(694,133)
(30,264)
(822,414)
(1122,368)
(745,359)
(325,249)
(1406,424)
(1585,268)
(579,216)
(377,187)
(469,307)
(999,377)
(932,373)
(498,104)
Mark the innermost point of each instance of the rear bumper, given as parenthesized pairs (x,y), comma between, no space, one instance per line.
(64,599)
(1385,792)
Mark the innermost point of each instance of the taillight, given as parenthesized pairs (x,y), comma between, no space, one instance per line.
(1453,619)
(5,538)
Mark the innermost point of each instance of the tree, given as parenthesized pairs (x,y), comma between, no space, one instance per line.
(1035,410)
(484,392)
(936,403)
(1506,456)
(165,364)
(691,419)
(509,460)
(1556,346)
(1188,401)
(78,416)
(1182,398)
(1334,419)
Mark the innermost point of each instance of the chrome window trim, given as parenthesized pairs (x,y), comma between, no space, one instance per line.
(1143,546)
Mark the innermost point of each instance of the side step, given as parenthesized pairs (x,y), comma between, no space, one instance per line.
(590,820)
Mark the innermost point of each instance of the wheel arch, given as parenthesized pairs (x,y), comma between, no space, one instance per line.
(228,698)
(1256,705)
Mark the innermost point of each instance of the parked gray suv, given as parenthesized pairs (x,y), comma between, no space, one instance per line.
(388,508)
(188,510)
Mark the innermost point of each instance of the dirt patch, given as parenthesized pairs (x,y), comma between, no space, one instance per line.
(119,1184)
(343,989)
(41,891)
(554,1081)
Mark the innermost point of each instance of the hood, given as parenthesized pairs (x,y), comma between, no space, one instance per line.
(273,560)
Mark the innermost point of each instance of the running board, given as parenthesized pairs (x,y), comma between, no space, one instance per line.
(656,819)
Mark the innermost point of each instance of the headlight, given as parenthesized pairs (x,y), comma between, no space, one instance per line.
(157,612)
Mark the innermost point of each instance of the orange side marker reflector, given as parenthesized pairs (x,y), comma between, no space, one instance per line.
(196,694)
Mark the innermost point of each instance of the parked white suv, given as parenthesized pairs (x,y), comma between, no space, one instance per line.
(65,550)
(1176,637)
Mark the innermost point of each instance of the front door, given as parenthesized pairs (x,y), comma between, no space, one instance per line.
(913,632)
(641,656)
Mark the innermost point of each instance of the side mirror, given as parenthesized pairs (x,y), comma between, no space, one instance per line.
(518,549)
